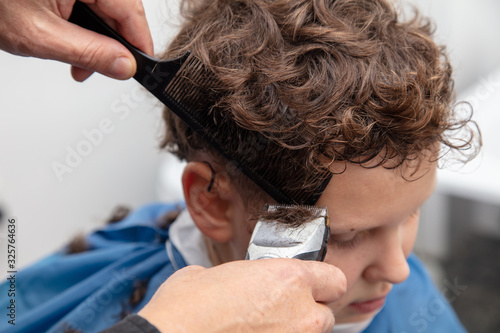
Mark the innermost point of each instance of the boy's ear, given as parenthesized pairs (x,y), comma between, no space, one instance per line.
(208,201)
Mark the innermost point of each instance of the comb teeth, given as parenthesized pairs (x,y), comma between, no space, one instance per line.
(189,90)
(191,96)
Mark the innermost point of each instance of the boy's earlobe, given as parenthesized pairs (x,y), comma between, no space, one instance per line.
(206,202)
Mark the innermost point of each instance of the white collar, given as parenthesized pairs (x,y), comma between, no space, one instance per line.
(357,327)
(189,241)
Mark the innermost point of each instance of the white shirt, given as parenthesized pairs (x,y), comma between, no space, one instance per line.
(189,241)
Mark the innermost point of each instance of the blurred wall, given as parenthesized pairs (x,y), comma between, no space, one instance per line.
(459,233)
(469,29)
(72,151)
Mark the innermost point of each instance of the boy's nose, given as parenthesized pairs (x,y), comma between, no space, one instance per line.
(389,264)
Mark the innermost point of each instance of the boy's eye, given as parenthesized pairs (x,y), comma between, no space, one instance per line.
(345,244)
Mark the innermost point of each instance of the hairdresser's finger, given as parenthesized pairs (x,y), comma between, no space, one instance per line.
(187,271)
(80,74)
(327,282)
(325,317)
(90,51)
(130,20)
(47,35)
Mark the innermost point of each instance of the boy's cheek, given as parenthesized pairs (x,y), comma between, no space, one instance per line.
(409,237)
(348,264)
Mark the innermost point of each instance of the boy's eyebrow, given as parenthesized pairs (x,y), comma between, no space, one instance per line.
(344,230)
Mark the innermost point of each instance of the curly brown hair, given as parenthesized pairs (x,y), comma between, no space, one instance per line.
(326,80)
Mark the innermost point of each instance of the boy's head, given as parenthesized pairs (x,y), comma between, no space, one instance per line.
(337,85)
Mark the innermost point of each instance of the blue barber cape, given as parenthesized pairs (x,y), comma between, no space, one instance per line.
(87,291)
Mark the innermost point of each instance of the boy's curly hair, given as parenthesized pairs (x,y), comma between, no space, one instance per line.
(328,80)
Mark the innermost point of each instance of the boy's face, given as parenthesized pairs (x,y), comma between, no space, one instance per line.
(373,221)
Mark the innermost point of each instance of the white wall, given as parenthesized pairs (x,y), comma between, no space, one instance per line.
(469,29)
(44,114)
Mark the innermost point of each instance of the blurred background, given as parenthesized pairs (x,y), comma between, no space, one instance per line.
(72,152)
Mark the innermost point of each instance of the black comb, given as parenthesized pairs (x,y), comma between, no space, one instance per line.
(188,89)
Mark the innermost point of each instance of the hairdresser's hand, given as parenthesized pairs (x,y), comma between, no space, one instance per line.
(39,28)
(271,295)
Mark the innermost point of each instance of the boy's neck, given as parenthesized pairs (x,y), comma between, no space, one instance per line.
(220,253)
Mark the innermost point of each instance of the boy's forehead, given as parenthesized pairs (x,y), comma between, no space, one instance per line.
(363,198)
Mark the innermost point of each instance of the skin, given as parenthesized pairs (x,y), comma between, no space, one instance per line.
(276,295)
(39,28)
(374,216)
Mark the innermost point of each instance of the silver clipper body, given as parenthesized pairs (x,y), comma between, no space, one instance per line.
(306,240)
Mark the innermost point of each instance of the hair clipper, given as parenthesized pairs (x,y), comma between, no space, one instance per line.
(304,239)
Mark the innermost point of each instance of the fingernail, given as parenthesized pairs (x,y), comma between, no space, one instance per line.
(121,68)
